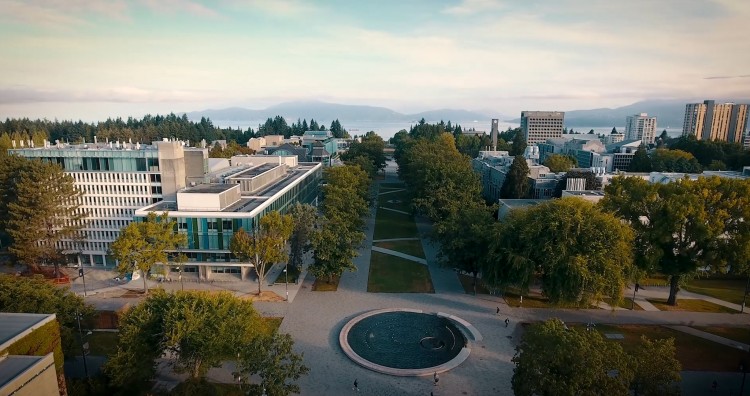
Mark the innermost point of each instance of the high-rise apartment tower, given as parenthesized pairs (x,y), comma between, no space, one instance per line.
(538,126)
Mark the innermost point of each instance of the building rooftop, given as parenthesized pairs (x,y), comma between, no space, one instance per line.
(521,203)
(14,326)
(254,172)
(12,366)
(586,193)
(246,204)
(209,188)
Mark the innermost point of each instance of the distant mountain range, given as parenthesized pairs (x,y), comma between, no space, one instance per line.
(669,113)
(327,112)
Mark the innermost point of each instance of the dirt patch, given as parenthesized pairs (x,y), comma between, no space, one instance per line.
(263,296)
(133,294)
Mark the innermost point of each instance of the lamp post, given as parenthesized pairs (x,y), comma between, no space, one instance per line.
(743,369)
(744,296)
(635,289)
(82,274)
(286,280)
(83,345)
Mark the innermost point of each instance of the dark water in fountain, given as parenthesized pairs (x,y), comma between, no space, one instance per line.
(406,340)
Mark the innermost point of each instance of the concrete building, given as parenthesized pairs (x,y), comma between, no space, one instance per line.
(116,179)
(493,166)
(711,121)
(210,214)
(538,126)
(640,127)
(613,138)
(593,196)
(34,373)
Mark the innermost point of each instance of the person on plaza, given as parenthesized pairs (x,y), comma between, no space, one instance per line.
(507,322)
(497,312)
(435,377)
(356,386)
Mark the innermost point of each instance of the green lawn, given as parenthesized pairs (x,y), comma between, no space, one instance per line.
(695,353)
(467,281)
(394,225)
(389,274)
(101,343)
(691,305)
(292,276)
(396,200)
(739,334)
(626,303)
(723,289)
(412,248)
(392,185)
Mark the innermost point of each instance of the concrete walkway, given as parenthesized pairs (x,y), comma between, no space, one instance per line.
(399,254)
(391,191)
(395,210)
(712,337)
(396,239)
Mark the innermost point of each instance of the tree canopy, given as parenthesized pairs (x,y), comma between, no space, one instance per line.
(566,242)
(560,163)
(265,245)
(39,208)
(197,330)
(519,144)
(684,226)
(553,359)
(36,295)
(663,160)
(641,162)
(371,148)
(516,183)
(142,244)
(304,218)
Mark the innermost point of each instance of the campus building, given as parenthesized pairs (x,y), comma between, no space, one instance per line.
(210,214)
(538,126)
(640,127)
(29,370)
(122,181)
(711,121)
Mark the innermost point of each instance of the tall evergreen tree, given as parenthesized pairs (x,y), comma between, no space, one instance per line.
(516,184)
(519,144)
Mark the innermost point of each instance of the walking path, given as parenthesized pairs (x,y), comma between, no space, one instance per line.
(712,337)
(395,239)
(395,210)
(399,254)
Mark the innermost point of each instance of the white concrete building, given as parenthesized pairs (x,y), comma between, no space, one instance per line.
(641,127)
(538,126)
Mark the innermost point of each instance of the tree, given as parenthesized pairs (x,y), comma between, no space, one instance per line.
(682,226)
(555,360)
(464,239)
(641,162)
(663,160)
(519,145)
(568,243)
(516,183)
(272,359)
(304,218)
(657,371)
(334,249)
(196,330)
(560,163)
(614,130)
(591,132)
(265,246)
(143,244)
(372,147)
(43,211)
(36,295)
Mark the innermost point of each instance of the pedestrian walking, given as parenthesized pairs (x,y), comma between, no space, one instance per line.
(507,322)
(497,312)
(356,386)
(435,377)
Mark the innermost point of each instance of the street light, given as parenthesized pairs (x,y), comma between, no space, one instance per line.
(82,274)
(286,280)
(635,289)
(743,369)
(83,345)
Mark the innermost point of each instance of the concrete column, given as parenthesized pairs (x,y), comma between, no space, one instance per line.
(244,270)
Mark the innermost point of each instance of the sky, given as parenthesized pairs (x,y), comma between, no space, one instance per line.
(89,59)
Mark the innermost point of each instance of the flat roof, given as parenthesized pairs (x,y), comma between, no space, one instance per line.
(517,203)
(246,204)
(14,326)
(12,366)
(591,193)
(254,172)
(208,188)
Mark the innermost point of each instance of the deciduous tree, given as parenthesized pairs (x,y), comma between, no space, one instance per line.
(656,369)
(143,244)
(304,218)
(265,245)
(560,163)
(568,242)
(555,360)
(641,162)
(272,359)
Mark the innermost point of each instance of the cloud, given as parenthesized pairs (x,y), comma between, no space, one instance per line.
(726,77)
(176,6)
(60,13)
(470,7)
(15,95)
